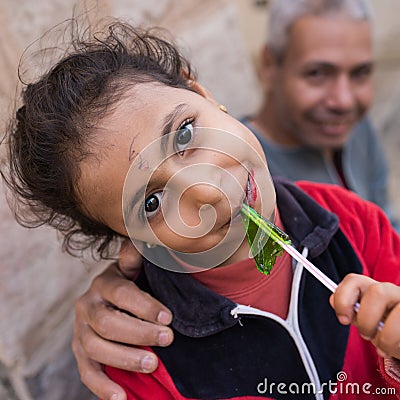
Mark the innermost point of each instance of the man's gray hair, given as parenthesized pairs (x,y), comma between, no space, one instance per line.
(284,13)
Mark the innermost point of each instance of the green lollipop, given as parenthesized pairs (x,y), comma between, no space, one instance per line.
(258,231)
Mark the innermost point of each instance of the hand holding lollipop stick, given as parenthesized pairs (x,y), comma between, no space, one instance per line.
(259,230)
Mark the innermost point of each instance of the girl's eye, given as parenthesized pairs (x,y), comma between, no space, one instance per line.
(183,137)
(152,203)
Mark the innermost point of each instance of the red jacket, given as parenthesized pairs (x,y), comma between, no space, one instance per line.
(215,357)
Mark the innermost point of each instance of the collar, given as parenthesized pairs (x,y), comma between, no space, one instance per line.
(306,222)
(199,312)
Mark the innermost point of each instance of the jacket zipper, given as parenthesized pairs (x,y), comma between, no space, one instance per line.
(291,324)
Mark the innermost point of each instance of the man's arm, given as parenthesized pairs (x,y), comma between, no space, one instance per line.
(113,317)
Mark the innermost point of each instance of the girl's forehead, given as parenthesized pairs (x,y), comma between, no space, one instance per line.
(155,95)
(145,112)
(145,104)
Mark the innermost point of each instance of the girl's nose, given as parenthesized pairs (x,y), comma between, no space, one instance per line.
(203,193)
(200,184)
(197,190)
(198,207)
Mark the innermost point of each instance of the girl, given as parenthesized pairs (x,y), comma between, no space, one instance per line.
(117,140)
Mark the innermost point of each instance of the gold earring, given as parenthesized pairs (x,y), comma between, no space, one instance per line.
(223,108)
(150,245)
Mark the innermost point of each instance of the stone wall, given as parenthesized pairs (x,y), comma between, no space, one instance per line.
(38,283)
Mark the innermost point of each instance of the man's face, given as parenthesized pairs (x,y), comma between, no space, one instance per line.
(322,86)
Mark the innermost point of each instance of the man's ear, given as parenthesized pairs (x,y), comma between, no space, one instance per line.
(268,67)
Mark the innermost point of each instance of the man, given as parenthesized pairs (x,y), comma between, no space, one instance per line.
(316,76)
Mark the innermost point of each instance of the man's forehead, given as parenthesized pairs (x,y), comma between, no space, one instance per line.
(325,39)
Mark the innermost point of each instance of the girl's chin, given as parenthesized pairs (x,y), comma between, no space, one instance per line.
(234,241)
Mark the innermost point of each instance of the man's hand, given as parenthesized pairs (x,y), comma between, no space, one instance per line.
(105,330)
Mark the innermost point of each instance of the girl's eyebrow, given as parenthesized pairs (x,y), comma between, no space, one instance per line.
(166,129)
(171,117)
(167,126)
(140,194)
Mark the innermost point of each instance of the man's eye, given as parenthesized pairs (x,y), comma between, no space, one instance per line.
(152,203)
(361,73)
(315,73)
(183,137)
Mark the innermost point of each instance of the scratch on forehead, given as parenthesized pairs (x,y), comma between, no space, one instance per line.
(132,151)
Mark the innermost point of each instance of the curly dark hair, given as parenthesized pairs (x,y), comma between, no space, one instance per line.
(52,131)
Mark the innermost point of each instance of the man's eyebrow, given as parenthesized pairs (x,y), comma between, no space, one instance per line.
(367,64)
(167,125)
(320,64)
(333,66)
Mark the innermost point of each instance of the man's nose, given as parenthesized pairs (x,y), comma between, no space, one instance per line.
(341,97)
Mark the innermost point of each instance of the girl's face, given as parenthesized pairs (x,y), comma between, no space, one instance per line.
(182,168)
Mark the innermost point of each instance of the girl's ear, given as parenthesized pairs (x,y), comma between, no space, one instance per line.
(200,89)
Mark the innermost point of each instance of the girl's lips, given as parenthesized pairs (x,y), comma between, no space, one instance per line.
(250,197)
(251,190)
